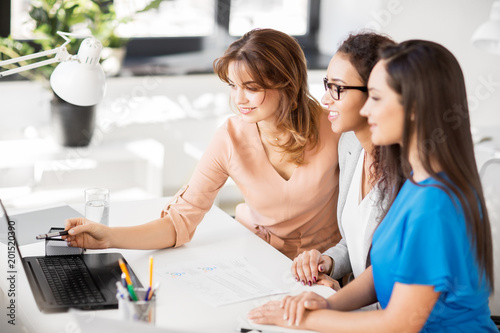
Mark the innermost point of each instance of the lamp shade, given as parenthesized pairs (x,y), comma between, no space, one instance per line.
(487,35)
(81,81)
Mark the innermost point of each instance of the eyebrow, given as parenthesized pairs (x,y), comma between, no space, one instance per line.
(336,80)
(372,88)
(243,83)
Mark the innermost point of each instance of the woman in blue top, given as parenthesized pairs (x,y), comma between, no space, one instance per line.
(432,261)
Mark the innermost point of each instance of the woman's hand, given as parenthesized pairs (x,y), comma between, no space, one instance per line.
(87,234)
(307,266)
(270,313)
(288,312)
(295,307)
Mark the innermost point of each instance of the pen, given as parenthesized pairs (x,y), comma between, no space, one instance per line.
(130,286)
(121,291)
(149,293)
(124,280)
(52,234)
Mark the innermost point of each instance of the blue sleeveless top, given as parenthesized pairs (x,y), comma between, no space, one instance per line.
(423,240)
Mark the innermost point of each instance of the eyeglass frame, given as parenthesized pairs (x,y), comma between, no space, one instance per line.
(340,89)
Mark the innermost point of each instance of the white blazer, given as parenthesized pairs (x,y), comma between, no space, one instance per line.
(349,150)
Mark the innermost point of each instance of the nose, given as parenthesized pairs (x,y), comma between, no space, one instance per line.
(239,96)
(327,98)
(365,111)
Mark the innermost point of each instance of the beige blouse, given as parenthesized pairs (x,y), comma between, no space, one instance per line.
(293,216)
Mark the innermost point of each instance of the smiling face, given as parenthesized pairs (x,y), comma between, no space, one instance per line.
(254,103)
(383,109)
(344,113)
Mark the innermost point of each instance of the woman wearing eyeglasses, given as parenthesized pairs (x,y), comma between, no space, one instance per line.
(278,149)
(358,207)
(432,258)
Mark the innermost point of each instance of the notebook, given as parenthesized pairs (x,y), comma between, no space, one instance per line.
(59,282)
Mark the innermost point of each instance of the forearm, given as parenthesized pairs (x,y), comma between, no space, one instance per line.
(156,234)
(357,294)
(408,310)
(368,321)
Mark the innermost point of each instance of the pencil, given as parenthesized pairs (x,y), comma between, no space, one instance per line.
(130,286)
(149,294)
(151,271)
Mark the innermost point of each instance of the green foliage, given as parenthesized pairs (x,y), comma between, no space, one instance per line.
(50,16)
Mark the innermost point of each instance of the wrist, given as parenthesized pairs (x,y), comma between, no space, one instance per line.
(111,240)
(330,264)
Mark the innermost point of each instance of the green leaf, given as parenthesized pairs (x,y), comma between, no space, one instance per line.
(152,5)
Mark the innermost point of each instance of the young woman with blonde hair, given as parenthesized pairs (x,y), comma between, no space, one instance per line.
(278,149)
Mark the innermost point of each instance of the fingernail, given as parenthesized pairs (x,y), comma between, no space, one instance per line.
(314,279)
(309,283)
(71,232)
(303,283)
(296,279)
(321,268)
(285,317)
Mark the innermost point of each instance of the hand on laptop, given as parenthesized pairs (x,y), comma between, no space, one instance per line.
(87,234)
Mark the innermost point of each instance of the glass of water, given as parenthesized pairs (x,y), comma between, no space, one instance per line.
(97,205)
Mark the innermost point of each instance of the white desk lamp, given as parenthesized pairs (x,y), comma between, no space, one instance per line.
(78,79)
(487,35)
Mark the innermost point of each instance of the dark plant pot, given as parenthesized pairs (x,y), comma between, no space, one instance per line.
(73,125)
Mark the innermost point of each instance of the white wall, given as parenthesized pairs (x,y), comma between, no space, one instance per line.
(449,22)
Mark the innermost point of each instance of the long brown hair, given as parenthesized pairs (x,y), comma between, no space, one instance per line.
(275,60)
(431,84)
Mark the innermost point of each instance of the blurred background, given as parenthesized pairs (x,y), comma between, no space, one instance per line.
(163,102)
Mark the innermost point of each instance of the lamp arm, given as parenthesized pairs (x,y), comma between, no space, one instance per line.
(61,54)
(28,67)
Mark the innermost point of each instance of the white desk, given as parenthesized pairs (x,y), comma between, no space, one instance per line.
(177,311)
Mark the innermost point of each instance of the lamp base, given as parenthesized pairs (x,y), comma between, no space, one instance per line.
(72,125)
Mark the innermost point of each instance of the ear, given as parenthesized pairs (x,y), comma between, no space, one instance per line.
(413,111)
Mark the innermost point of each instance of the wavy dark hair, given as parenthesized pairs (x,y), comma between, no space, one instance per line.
(430,82)
(363,52)
(275,60)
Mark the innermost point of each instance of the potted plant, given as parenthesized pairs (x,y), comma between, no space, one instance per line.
(73,125)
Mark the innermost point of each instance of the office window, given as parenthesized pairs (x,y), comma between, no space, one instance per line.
(173,18)
(187,26)
(290,16)
(21,24)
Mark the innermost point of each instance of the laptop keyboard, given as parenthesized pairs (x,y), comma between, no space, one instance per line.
(70,281)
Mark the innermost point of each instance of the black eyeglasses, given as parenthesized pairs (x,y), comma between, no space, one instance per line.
(335,90)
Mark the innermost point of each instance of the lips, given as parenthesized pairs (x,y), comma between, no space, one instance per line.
(245,110)
(332,115)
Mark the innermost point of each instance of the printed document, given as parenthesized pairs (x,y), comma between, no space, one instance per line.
(222,281)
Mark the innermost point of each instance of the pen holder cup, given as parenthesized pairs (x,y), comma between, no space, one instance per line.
(140,310)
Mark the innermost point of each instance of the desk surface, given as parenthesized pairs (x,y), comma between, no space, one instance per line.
(177,311)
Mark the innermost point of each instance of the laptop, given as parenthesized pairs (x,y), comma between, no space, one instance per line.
(59,282)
